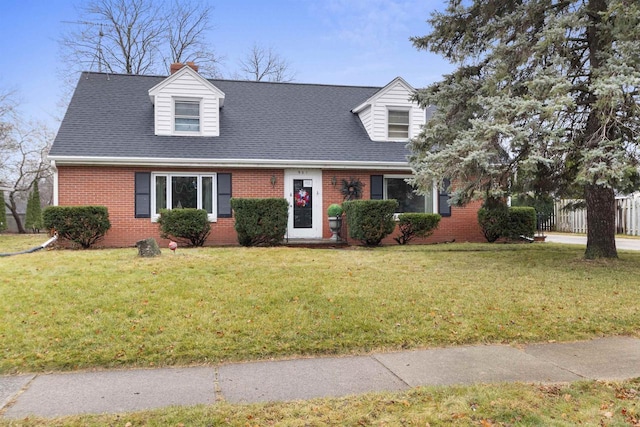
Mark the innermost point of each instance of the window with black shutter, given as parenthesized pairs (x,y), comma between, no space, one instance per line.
(224,195)
(377,187)
(443,198)
(143,194)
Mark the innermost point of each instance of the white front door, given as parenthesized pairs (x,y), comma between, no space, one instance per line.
(303,191)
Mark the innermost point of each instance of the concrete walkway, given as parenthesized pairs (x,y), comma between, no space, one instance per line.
(581,239)
(60,394)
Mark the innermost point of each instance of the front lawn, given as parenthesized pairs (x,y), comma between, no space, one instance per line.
(64,310)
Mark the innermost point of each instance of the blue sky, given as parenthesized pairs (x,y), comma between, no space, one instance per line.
(350,42)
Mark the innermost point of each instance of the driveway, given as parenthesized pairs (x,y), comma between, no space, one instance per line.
(579,239)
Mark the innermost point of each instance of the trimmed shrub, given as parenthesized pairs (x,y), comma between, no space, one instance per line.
(370,221)
(260,222)
(522,222)
(493,218)
(83,225)
(188,226)
(412,225)
(334,210)
(33,220)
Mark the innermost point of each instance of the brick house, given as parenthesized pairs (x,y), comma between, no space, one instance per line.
(138,144)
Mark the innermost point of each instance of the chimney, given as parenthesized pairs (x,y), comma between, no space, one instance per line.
(193,66)
(175,67)
(178,65)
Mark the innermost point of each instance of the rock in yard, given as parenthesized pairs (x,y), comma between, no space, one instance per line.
(148,247)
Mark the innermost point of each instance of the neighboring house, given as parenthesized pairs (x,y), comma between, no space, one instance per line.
(138,144)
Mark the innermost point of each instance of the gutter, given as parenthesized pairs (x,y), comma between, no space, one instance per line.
(237,163)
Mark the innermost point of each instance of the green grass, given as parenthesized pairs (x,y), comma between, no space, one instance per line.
(586,403)
(63,310)
(66,310)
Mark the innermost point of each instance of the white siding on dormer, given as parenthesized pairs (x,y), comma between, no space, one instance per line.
(394,96)
(417,120)
(365,118)
(187,86)
(210,109)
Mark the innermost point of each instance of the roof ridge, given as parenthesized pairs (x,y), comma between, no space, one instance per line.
(104,73)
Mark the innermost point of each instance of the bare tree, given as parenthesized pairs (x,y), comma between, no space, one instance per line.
(261,64)
(138,36)
(24,149)
(6,108)
(187,26)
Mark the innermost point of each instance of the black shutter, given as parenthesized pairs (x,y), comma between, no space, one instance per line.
(143,195)
(377,187)
(224,195)
(443,199)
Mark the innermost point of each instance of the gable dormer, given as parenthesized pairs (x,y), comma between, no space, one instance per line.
(389,115)
(185,103)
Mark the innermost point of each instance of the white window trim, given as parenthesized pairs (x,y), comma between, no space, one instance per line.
(173,115)
(399,108)
(434,191)
(212,217)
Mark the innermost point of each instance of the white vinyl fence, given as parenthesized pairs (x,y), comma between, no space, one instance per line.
(575,221)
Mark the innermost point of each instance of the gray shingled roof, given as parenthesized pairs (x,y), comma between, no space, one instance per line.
(112,116)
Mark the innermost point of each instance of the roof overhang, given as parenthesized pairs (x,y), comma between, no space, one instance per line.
(178,74)
(237,163)
(372,99)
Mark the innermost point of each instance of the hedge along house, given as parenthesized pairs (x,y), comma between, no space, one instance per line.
(138,144)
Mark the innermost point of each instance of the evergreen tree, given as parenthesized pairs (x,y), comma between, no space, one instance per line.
(545,99)
(34,220)
(3,212)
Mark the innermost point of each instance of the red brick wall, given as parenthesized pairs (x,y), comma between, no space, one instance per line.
(113,187)
(461,226)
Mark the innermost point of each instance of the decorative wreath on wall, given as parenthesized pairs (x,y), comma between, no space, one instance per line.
(351,189)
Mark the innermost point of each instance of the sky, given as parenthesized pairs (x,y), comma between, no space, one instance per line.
(344,42)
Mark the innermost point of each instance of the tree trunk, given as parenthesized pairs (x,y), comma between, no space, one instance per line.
(601,222)
(16,217)
(14,212)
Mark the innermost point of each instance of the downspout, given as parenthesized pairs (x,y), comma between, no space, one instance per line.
(37,248)
(55,183)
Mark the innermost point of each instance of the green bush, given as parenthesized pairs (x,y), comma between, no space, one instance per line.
(334,210)
(522,222)
(370,221)
(3,213)
(188,226)
(83,225)
(497,220)
(33,220)
(493,218)
(260,222)
(412,225)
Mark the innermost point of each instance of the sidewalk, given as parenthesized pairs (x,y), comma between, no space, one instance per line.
(622,243)
(60,394)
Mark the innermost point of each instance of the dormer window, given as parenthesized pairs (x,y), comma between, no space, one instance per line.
(398,124)
(187,116)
